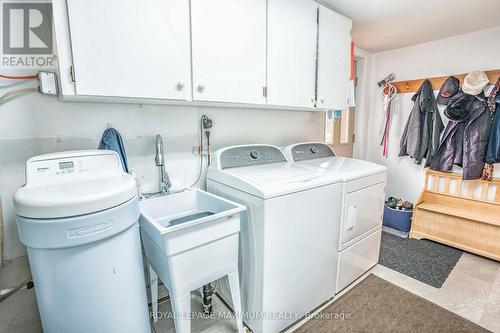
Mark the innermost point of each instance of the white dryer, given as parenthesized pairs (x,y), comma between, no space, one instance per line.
(289,233)
(362,209)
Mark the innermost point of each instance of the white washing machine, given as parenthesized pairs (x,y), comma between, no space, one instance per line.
(289,233)
(362,209)
(77,216)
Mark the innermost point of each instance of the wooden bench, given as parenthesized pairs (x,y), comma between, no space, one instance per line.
(462,214)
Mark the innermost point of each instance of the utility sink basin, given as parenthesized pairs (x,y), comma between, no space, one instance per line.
(189,237)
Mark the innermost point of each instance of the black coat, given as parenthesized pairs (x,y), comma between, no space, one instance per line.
(420,138)
(493,154)
(466,136)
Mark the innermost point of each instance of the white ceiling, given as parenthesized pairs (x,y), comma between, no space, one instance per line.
(387,24)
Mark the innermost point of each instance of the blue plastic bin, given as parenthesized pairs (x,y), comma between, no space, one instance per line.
(397,219)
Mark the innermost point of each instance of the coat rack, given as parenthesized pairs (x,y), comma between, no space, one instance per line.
(413,85)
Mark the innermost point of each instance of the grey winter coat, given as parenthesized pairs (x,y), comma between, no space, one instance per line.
(465,139)
(422,131)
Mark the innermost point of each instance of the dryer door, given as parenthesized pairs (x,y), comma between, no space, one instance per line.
(363,210)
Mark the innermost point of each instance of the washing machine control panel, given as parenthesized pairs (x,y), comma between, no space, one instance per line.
(310,151)
(250,155)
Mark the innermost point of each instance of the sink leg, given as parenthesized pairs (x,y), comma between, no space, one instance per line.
(208,291)
(153,286)
(181,308)
(234,286)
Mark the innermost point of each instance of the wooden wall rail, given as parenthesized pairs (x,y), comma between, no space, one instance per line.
(413,85)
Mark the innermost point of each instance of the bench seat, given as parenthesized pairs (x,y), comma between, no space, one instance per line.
(462,214)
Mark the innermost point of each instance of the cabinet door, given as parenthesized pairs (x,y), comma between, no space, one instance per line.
(229,50)
(131,48)
(291,52)
(333,59)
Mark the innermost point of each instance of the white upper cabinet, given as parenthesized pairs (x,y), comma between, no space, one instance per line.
(291,52)
(130,48)
(283,53)
(229,50)
(333,59)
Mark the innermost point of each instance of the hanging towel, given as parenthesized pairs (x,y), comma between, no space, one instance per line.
(112,140)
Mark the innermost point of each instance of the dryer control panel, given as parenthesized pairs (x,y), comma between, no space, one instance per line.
(310,151)
(240,156)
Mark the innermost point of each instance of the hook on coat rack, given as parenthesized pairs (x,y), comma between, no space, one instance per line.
(109,125)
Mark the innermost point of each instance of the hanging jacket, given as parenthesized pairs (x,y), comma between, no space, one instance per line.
(466,136)
(112,140)
(493,153)
(424,126)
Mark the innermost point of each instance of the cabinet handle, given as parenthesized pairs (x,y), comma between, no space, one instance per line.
(180,85)
(201,87)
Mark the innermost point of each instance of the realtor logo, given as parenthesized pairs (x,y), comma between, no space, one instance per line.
(27,28)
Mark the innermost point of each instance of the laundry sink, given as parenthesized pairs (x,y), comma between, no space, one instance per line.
(188,235)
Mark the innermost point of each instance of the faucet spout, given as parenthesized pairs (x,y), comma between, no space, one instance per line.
(165,183)
(160,158)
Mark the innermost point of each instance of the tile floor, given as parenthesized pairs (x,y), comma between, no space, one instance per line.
(472,290)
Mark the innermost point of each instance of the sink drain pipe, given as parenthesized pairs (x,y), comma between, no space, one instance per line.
(208,292)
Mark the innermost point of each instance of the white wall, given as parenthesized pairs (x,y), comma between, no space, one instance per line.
(35,124)
(461,54)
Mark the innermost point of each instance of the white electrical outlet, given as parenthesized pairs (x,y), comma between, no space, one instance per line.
(48,83)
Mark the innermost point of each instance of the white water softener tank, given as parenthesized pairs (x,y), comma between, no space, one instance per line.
(77,215)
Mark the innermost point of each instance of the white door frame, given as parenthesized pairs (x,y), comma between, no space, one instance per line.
(361,119)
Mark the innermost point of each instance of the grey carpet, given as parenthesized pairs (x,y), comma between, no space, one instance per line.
(375,305)
(423,260)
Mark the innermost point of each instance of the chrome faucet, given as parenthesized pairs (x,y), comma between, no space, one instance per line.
(165,183)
